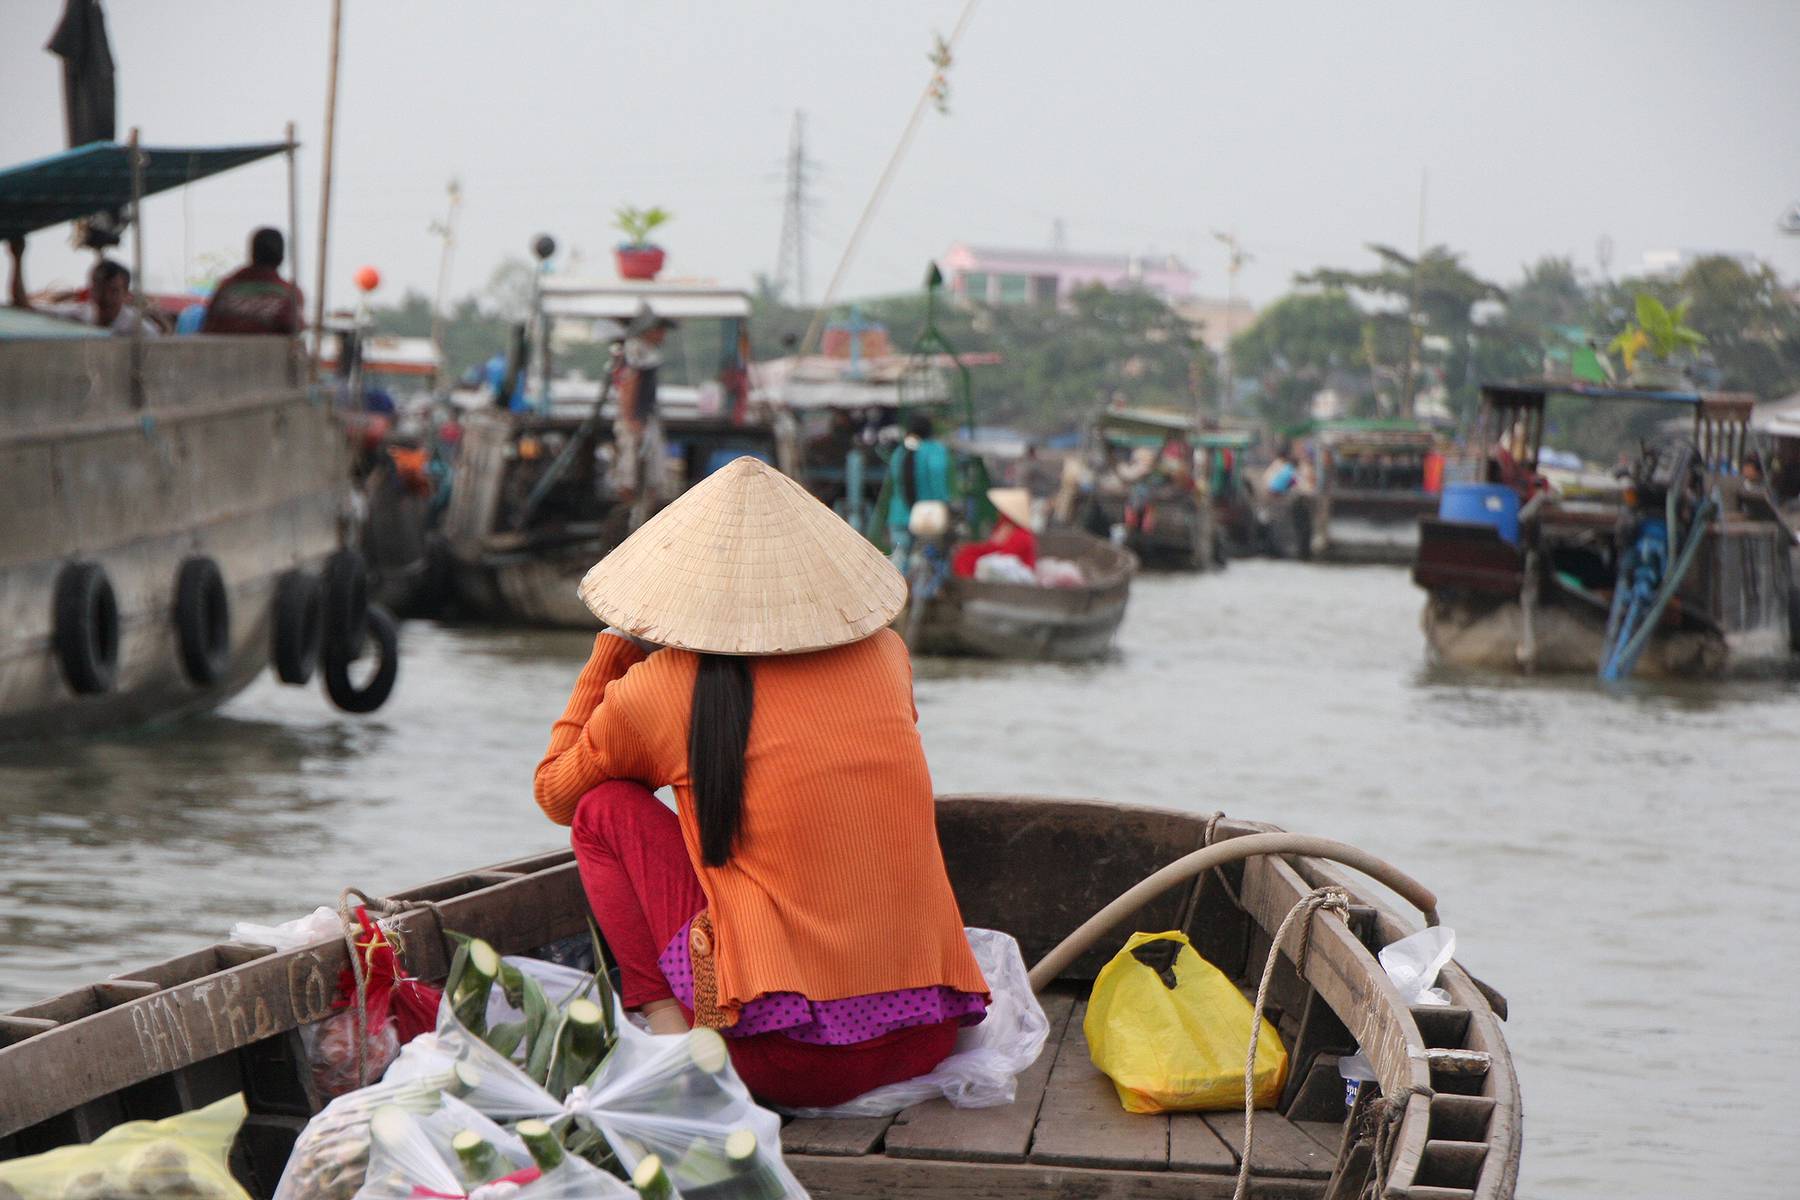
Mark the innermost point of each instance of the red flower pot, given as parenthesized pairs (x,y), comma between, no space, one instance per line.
(639,262)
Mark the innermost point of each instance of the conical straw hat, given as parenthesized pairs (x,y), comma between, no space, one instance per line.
(1013,503)
(746,562)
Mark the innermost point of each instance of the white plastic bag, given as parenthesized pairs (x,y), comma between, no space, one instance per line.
(1059,573)
(422,1157)
(1413,963)
(319,925)
(561,984)
(331,1157)
(983,1072)
(1003,568)
(651,1095)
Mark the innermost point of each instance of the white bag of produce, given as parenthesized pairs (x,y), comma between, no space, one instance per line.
(560,984)
(1003,568)
(331,1156)
(673,1096)
(1059,573)
(983,1071)
(457,1152)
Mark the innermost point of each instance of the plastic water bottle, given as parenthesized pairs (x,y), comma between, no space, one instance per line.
(1356,1071)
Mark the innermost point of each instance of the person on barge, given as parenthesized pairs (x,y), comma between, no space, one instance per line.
(796,897)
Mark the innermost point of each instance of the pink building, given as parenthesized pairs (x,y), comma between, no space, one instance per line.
(992,276)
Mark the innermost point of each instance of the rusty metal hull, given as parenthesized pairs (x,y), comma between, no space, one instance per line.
(218,451)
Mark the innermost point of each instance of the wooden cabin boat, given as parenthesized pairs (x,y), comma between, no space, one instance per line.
(1522,582)
(1166,515)
(169,502)
(534,503)
(176,1035)
(984,619)
(1374,480)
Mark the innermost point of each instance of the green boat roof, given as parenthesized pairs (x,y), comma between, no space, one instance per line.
(97,177)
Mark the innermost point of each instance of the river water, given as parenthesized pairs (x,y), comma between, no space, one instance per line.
(1618,864)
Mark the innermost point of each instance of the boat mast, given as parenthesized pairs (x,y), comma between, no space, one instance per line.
(137,267)
(331,90)
(293,221)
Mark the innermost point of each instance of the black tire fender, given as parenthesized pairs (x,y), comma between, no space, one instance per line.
(298,628)
(202,620)
(372,695)
(346,604)
(85,628)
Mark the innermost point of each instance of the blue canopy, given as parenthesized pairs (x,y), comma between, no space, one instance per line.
(97,177)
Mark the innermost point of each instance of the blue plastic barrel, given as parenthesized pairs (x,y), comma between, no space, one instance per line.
(1482,504)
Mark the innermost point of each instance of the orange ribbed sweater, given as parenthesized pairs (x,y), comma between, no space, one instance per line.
(837,886)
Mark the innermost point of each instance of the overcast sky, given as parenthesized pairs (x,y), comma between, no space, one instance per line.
(1545,126)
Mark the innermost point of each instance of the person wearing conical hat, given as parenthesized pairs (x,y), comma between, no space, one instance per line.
(1011,533)
(795,899)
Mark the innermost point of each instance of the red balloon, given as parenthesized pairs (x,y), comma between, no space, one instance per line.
(368,278)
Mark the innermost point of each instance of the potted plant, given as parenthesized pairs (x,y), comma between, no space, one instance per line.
(639,257)
(1652,345)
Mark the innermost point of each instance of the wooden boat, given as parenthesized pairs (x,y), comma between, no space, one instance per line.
(1012,620)
(178,1034)
(1168,523)
(1542,600)
(533,505)
(158,491)
(1372,489)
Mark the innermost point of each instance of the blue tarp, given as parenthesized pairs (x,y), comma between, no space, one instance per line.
(97,177)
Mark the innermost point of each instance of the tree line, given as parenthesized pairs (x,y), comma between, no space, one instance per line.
(1376,337)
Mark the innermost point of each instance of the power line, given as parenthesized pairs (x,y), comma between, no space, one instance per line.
(790,258)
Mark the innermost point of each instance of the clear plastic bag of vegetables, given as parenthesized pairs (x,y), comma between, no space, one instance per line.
(456,1152)
(331,1158)
(180,1158)
(674,1099)
(674,1102)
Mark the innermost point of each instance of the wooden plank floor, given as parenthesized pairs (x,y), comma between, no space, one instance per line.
(1065,1131)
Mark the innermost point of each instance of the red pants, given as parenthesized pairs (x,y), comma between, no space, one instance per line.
(642,888)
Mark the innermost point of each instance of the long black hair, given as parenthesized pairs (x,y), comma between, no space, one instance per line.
(718,731)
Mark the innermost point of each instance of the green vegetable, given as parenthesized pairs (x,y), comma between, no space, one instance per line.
(471,982)
(546,1150)
(651,1181)
(481,1163)
(581,1043)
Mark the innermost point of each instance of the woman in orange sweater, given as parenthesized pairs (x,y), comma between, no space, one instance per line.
(796,898)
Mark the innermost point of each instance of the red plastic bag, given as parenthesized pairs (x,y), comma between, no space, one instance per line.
(399,1009)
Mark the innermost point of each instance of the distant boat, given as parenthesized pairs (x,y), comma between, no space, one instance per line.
(1523,580)
(536,499)
(1168,521)
(1374,482)
(171,503)
(987,619)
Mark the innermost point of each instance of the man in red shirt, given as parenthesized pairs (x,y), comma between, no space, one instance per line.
(256,299)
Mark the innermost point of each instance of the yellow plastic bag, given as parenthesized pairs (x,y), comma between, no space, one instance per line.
(178,1158)
(1172,1032)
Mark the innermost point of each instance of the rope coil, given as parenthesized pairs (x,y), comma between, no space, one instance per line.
(1320,899)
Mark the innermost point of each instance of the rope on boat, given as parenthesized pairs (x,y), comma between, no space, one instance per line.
(1387,1116)
(1228,851)
(352,927)
(1320,899)
(1190,907)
